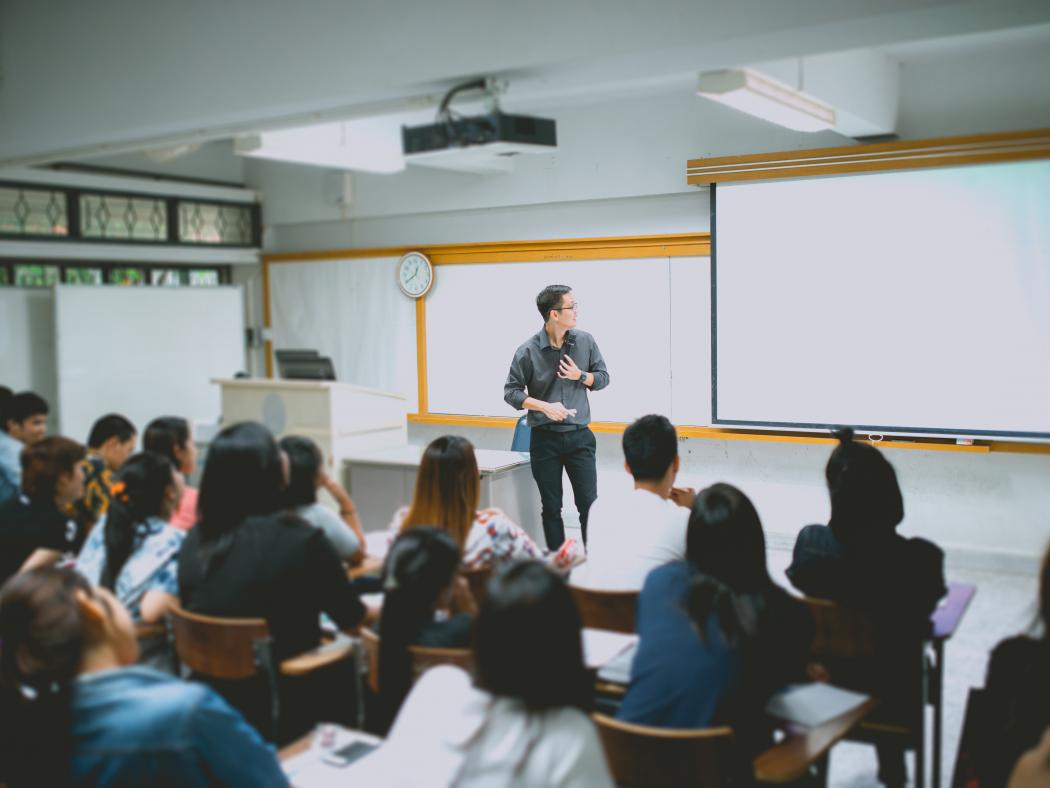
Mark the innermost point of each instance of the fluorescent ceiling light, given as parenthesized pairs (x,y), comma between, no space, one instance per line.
(758,95)
(365,144)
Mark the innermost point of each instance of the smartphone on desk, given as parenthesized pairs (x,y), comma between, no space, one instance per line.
(348,753)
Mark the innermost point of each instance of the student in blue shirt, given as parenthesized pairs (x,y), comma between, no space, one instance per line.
(78,715)
(23,422)
(717,635)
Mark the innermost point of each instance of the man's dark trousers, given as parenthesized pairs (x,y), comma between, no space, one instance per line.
(573,450)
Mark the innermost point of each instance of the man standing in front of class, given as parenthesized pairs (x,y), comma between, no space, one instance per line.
(549,377)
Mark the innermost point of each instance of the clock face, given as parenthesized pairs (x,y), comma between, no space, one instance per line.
(415,274)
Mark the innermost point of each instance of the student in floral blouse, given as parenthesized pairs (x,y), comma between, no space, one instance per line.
(133,549)
(448,490)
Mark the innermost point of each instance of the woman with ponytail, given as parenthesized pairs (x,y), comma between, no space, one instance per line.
(717,635)
(133,551)
(75,714)
(421,588)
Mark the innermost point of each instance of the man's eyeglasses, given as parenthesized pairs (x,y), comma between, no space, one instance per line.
(574,307)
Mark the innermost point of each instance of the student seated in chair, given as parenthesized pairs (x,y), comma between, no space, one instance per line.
(246,557)
(110,443)
(448,490)
(23,422)
(1017,693)
(133,551)
(171,436)
(306,476)
(35,527)
(859,560)
(425,603)
(630,535)
(75,713)
(717,635)
(523,721)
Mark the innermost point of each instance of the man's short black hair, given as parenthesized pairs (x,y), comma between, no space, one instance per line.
(550,298)
(22,406)
(110,425)
(650,445)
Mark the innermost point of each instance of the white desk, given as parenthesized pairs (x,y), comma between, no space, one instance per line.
(380,482)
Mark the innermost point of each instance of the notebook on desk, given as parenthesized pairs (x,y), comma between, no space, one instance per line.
(813,704)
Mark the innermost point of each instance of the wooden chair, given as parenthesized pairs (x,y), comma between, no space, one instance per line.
(612,610)
(846,639)
(422,658)
(233,649)
(641,755)
(478,580)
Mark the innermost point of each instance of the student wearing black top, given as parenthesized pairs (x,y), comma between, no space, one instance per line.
(34,527)
(420,584)
(247,558)
(1017,694)
(860,560)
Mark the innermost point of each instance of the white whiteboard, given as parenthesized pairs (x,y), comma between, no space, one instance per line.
(353,312)
(144,352)
(477,316)
(900,302)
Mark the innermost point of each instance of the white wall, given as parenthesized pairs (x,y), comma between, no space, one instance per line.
(989,511)
(27,343)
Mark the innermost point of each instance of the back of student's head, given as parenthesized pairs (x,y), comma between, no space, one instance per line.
(44,637)
(304,463)
(527,639)
(726,545)
(448,488)
(650,446)
(22,406)
(5,398)
(419,568)
(1044,595)
(44,463)
(112,425)
(167,435)
(144,487)
(242,477)
(866,503)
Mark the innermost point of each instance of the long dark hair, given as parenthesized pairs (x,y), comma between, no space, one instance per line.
(448,488)
(165,434)
(727,548)
(1043,616)
(866,502)
(527,640)
(243,477)
(421,564)
(304,462)
(139,490)
(43,640)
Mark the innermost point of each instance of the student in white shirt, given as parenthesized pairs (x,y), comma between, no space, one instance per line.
(631,534)
(523,722)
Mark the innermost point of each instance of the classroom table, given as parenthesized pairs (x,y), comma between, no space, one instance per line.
(381,482)
(944,621)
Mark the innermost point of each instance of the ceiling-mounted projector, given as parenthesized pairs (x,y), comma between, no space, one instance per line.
(481,143)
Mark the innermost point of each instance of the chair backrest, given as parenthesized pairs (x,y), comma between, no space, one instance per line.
(423,657)
(841,632)
(522,440)
(220,648)
(613,610)
(640,755)
(478,580)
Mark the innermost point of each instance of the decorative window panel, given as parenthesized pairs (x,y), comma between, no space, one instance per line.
(36,275)
(123,217)
(32,211)
(84,276)
(215,223)
(166,277)
(204,278)
(127,276)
